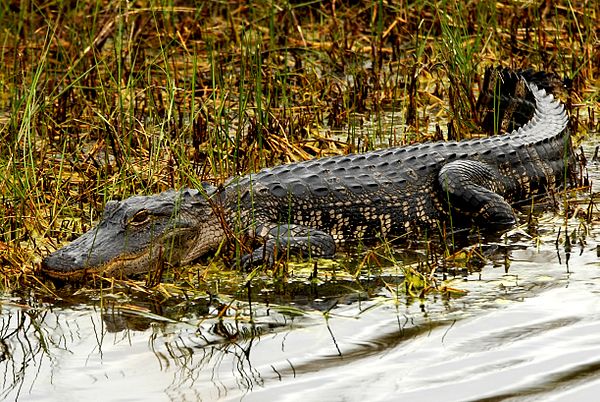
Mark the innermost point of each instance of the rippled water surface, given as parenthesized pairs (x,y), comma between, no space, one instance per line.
(525,328)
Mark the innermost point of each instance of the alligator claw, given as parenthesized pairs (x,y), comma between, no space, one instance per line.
(257,257)
(290,239)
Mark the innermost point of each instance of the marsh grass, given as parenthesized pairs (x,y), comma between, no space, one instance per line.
(104,100)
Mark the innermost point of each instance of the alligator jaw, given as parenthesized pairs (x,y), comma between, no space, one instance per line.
(56,266)
(83,258)
(79,259)
(138,235)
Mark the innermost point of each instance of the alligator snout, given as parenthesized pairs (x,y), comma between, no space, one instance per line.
(61,261)
(70,261)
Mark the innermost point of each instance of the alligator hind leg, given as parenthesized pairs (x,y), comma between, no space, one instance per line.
(473,189)
(290,238)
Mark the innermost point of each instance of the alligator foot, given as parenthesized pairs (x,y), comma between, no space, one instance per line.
(473,189)
(289,239)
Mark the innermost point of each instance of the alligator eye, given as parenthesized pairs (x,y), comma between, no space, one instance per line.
(140,217)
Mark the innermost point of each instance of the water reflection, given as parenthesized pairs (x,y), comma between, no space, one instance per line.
(20,349)
(525,326)
(357,344)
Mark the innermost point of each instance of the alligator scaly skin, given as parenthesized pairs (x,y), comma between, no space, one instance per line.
(308,208)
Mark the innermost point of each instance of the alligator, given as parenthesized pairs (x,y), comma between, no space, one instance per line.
(312,207)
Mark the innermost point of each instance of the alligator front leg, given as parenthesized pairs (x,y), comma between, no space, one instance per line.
(472,189)
(290,238)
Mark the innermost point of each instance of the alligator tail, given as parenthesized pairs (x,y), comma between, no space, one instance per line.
(505,102)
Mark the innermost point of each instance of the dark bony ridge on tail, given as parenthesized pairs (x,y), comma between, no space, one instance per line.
(505,102)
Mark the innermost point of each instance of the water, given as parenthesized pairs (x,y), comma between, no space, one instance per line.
(525,328)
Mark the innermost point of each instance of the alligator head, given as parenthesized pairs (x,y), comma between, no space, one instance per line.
(139,233)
